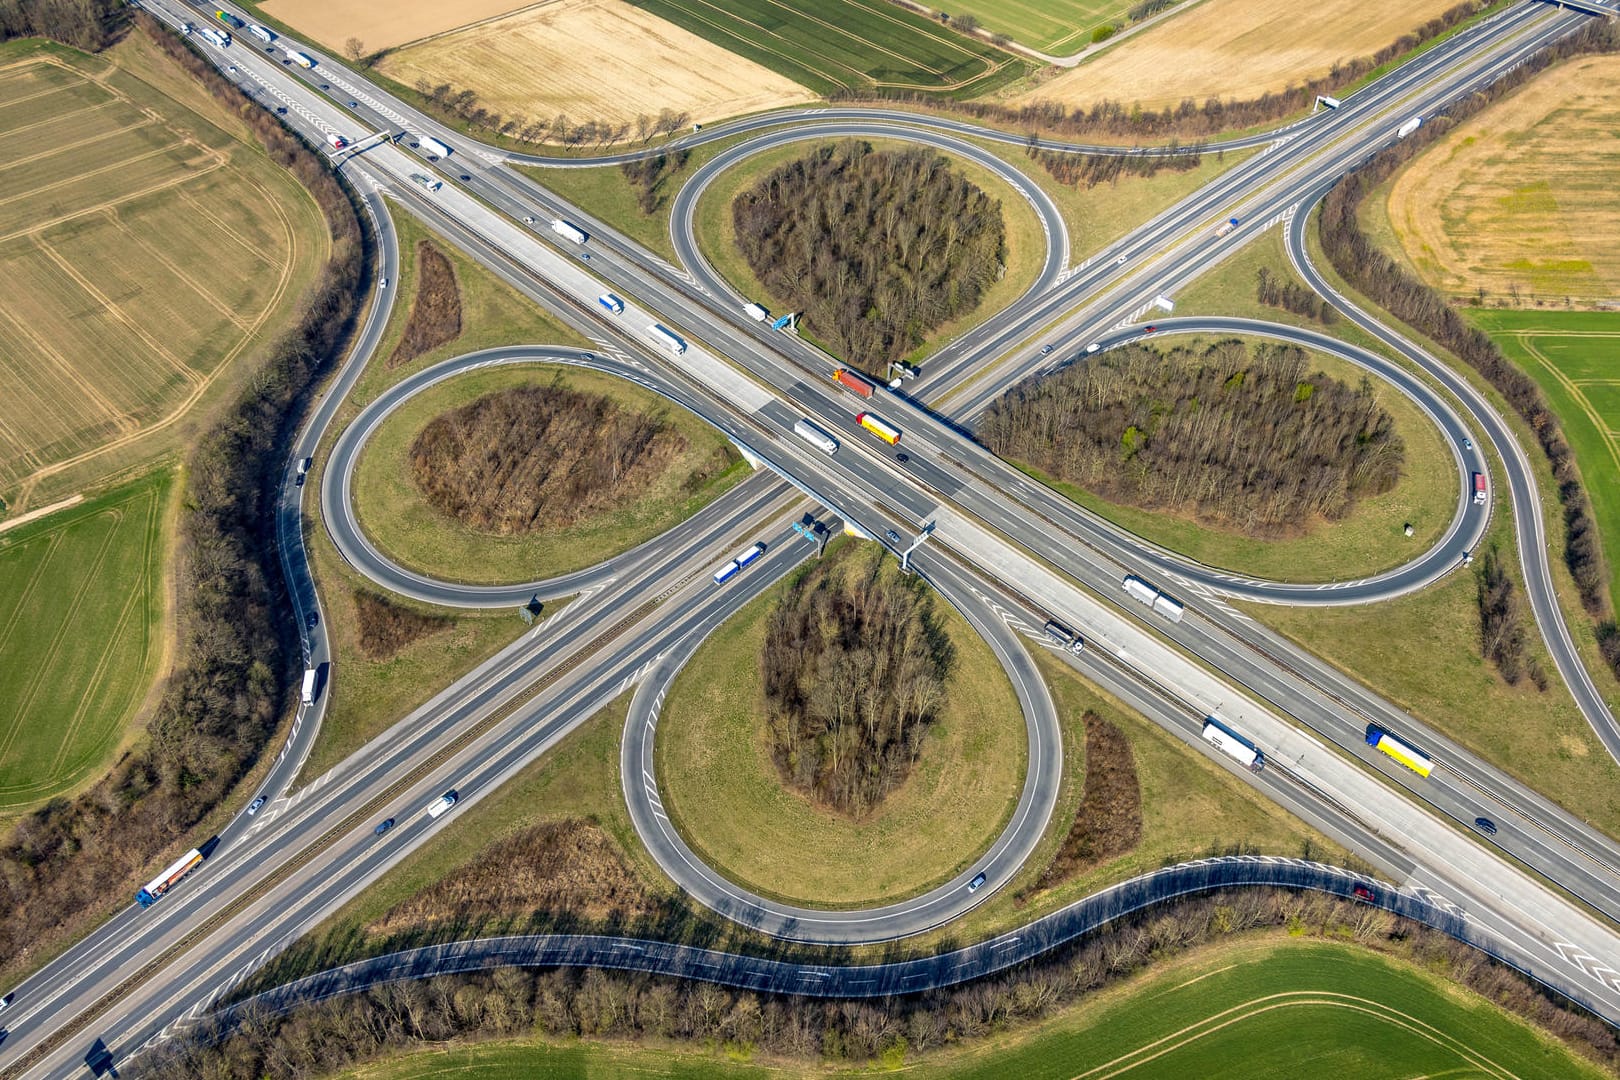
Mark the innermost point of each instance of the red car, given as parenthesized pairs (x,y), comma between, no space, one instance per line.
(1364,893)
(1150,329)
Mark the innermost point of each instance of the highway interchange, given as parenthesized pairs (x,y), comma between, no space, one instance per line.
(1006,552)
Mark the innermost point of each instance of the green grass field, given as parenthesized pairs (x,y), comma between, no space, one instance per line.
(401,522)
(1252,1009)
(124,183)
(831,45)
(1571,354)
(723,792)
(81,635)
(1058,27)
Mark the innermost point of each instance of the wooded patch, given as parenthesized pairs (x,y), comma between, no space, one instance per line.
(537,457)
(1237,435)
(1109,821)
(876,248)
(435,317)
(854,667)
(555,868)
(387,627)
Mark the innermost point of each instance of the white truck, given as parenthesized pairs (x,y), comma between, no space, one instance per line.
(1163,604)
(427,182)
(569,231)
(816,437)
(667,338)
(300,59)
(612,303)
(263,33)
(442,804)
(1227,226)
(309,686)
(757,313)
(433,146)
(218,37)
(1233,745)
(1410,126)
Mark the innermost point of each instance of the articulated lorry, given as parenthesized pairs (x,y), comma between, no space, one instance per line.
(1163,604)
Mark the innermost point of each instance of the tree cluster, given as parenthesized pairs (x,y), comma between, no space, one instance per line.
(237,652)
(387,626)
(854,667)
(461,103)
(326,1037)
(876,248)
(1143,10)
(1189,119)
(650,176)
(1389,285)
(435,317)
(539,457)
(1292,296)
(1240,436)
(1108,821)
(90,25)
(1502,637)
(1089,170)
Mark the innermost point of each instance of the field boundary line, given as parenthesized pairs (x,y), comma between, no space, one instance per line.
(34,515)
(127,197)
(56,120)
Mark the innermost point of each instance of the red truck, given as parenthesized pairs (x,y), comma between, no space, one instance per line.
(1479,488)
(852,381)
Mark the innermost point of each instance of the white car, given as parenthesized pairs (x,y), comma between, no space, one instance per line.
(383,284)
(4,1001)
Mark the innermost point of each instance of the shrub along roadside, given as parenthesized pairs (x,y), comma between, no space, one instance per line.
(76,858)
(561,1003)
(1388,284)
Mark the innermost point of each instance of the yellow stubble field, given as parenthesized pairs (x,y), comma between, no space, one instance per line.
(1237,49)
(598,60)
(1523,195)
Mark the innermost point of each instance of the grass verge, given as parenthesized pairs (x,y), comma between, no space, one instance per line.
(723,792)
(399,520)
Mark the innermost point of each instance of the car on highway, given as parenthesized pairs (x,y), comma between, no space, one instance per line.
(387,823)
(465,177)
(1151,328)
(282,110)
(902,458)
(894,537)
(313,619)
(5,1001)
(1485,825)
(325,87)
(1094,346)
(256,804)
(1363,893)
(1045,349)
(973,886)
(383,284)
(528,220)
(1468,444)
(354,104)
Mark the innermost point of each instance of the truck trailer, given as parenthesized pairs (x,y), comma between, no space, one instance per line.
(336,142)
(433,146)
(1403,752)
(1227,226)
(667,338)
(1064,636)
(300,59)
(218,37)
(1232,744)
(154,890)
(308,695)
(229,20)
(263,33)
(569,231)
(816,437)
(1480,494)
(1410,126)
(851,381)
(1162,603)
(879,427)
(755,312)
(612,303)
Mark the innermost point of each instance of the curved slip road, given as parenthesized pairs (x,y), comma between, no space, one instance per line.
(1003,859)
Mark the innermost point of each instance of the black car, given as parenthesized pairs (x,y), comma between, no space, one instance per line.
(313,619)
(465,178)
(1485,825)
(902,458)
(354,104)
(388,823)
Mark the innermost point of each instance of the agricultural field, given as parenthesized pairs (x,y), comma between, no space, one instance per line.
(1236,49)
(81,634)
(112,330)
(1571,354)
(1520,201)
(1263,1008)
(598,60)
(381,26)
(831,45)
(1057,27)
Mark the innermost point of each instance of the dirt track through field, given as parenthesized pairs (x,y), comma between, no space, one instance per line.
(1237,49)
